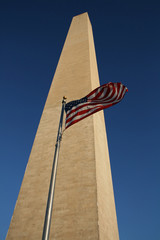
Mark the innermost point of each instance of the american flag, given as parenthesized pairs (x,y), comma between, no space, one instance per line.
(102,97)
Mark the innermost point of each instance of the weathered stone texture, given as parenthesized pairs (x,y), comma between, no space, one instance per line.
(83,206)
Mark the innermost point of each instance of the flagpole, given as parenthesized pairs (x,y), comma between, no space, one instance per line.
(47,222)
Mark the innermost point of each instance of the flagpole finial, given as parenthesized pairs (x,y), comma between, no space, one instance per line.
(64,99)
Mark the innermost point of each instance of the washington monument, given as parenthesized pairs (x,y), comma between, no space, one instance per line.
(83,206)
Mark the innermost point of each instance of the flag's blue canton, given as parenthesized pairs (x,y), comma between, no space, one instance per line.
(74,103)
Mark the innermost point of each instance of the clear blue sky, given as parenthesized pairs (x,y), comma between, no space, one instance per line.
(127,41)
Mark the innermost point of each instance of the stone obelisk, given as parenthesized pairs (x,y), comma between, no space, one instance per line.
(83,207)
